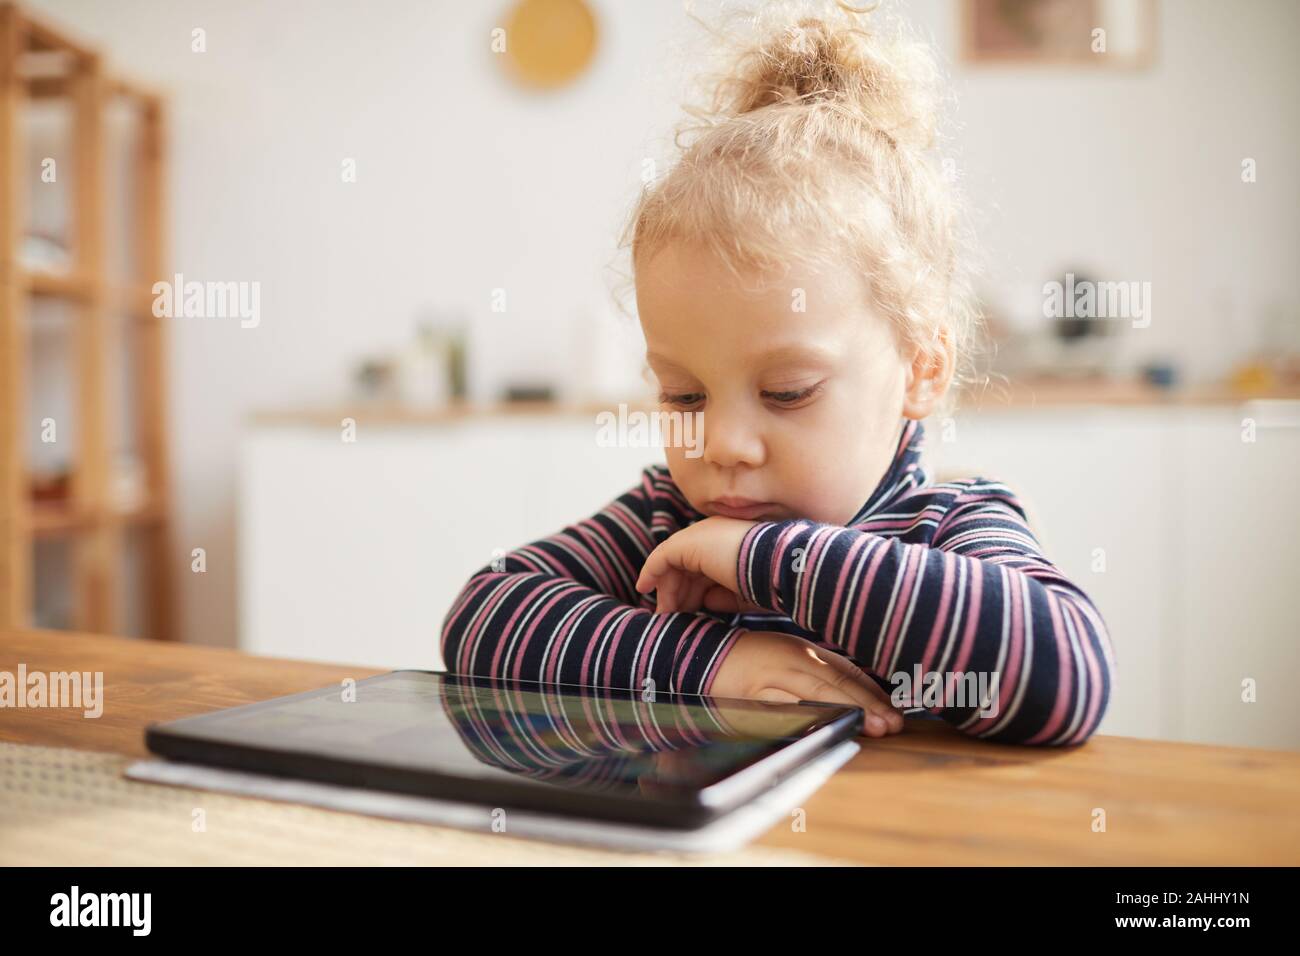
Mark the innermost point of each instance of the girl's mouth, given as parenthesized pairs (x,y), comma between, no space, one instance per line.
(744,508)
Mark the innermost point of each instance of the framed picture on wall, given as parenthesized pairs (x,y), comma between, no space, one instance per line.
(1101,33)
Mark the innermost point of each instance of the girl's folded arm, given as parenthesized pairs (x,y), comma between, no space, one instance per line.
(980,600)
(564,609)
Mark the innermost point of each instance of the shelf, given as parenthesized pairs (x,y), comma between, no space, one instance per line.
(133,300)
(51,520)
(52,86)
(105,335)
(62,285)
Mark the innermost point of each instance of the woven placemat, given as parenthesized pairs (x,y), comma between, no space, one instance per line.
(63,807)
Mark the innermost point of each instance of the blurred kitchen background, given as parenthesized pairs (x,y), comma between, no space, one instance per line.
(428,223)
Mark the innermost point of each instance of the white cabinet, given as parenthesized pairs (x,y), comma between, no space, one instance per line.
(1187,538)
(1237,553)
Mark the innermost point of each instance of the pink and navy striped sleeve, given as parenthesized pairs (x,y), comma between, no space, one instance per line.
(565,609)
(949,580)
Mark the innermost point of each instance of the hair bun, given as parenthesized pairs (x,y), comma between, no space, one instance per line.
(884,78)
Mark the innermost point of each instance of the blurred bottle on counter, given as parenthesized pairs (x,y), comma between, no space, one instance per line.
(422,369)
(1276,360)
(431,370)
(457,360)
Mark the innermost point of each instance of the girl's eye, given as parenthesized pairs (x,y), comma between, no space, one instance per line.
(787,398)
(689,398)
(794,397)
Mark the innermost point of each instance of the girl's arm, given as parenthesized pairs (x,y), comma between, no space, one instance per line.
(980,597)
(564,609)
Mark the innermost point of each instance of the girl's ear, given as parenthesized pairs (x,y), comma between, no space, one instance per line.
(929,375)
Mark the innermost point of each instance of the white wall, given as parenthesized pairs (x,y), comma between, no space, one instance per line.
(466,184)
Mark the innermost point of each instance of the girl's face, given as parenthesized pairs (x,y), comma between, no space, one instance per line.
(801,385)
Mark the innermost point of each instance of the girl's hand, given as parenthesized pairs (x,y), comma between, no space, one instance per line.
(771,665)
(696,568)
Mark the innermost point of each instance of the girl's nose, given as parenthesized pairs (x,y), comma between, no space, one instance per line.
(730,440)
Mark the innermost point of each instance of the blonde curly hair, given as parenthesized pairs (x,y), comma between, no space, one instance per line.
(819,144)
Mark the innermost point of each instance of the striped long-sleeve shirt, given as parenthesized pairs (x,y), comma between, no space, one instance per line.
(926,579)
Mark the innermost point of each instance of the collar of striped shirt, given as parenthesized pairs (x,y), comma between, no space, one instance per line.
(905,471)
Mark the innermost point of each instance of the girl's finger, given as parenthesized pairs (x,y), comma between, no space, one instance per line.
(664,590)
(652,570)
(677,585)
(845,665)
(645,582)
(836,687)
(883,707)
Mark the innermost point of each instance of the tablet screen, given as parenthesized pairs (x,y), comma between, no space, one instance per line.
(474,727)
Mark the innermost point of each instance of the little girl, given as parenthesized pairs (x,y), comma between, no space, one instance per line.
(800,281)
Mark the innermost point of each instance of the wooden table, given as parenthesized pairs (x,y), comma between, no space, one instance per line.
(926,796)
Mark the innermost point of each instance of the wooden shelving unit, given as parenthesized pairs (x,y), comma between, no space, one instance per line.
(39,63)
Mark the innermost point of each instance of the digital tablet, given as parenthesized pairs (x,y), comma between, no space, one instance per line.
(660,759)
